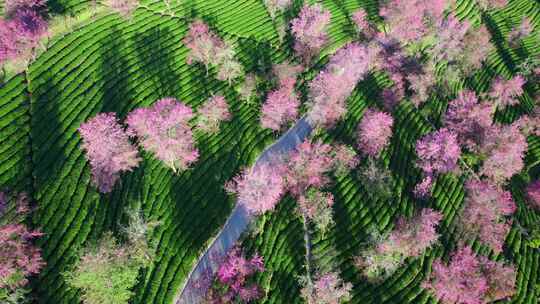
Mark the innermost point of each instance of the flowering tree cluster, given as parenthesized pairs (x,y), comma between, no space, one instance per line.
(281,106)
(259,188)
(309,30)
(330,89)
(329,288)
(214,111)
(410,238)
(22,27)
(533,193)
(164,130)
(207,48)
(374,132)
(233,281)
(409,19)
(484,214)
(303,173)
(108,149)
(500,148)
(443,37)
(469,279)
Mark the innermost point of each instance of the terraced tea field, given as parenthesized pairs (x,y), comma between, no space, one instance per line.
(113,65)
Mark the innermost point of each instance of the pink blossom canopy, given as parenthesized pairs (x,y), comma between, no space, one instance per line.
(374,132)
(484,214)
(438,152)
(164,130)
(259,188)
(108,149)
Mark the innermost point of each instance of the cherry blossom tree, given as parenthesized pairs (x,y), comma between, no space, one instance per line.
(374,175)
(202,43)
(22,28)
(8,41)
(328,288)
(307,167)
(477,47)
(505,92)
(533,193)
(450,34)
(317,207)
(469,279)
(484,213)
(504,149)
(163,129)
(207,48)
(108,149)
(332,86)
(309,30)
(259,188)
(438,152)
(374,132)
(281,106)
(469,119)
(233,281)
(345,159)
(214,111)
(410,238)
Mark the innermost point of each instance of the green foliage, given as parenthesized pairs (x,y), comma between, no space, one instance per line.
(108,270)
(16,296)
(105,273)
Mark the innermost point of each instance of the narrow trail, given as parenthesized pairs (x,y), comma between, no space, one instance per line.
(239,219)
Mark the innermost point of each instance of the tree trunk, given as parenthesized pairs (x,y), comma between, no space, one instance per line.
(307,243)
